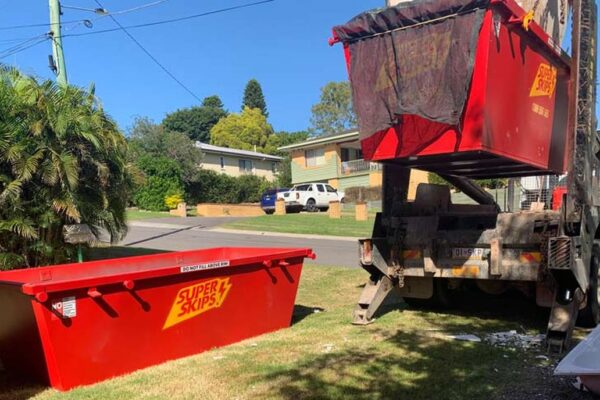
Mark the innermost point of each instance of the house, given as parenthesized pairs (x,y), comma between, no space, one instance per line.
(337,160)
(234,162)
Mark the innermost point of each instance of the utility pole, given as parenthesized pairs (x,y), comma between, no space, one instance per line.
(57,47)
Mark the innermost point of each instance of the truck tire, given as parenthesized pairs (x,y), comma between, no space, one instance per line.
(311,205)
(589,317)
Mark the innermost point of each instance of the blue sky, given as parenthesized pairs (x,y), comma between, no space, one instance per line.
(283,44)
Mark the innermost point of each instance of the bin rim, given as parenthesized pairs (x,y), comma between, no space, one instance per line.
(269,260)
(515,17)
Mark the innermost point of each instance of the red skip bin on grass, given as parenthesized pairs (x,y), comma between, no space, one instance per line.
(77,324)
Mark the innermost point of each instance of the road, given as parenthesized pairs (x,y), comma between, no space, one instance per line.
(194,233)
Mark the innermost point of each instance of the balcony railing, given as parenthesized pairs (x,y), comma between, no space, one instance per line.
(356,166)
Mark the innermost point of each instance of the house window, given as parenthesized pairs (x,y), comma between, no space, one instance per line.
(314,157)
(222,162)
(349,154)
(245,166)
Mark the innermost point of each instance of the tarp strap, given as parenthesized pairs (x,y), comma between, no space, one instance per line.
(402,28)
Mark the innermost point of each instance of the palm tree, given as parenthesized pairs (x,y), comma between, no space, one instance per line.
(62,161)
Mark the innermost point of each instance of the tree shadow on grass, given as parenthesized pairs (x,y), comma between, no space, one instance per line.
(414,368)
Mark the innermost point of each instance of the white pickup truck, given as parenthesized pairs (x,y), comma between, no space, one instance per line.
(310,197)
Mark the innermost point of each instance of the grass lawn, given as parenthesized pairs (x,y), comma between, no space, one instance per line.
(310,223)
(135,214)
(403,355)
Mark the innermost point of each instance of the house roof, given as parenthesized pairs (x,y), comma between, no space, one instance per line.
(348,136)
(209,148)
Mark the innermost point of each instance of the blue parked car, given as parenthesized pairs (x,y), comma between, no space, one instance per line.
(267,200)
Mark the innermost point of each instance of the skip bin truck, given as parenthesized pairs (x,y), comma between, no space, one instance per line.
(477,89)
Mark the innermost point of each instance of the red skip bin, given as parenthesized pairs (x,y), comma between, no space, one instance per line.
(469,88)
(77,324)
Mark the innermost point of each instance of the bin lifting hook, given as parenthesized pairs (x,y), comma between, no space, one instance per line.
(42,297)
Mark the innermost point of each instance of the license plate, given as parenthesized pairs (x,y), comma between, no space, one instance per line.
(467,252)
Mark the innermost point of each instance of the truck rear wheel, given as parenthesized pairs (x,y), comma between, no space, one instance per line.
(589,317)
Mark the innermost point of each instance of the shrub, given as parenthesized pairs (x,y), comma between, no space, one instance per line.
(163,178)
(173,200)
(493,183)
(212,187)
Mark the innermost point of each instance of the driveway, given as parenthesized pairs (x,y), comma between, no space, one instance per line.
(195,232)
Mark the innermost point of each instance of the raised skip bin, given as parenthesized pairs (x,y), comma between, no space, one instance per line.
(461,87)
(77,324)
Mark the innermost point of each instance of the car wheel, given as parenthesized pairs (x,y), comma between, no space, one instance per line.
(269,212)
(311,205)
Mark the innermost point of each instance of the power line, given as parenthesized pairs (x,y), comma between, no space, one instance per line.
(81,21)
(23,43)
(5,28)
(141,7)
(8,53)
(169,21)
(121,27)
(121,12)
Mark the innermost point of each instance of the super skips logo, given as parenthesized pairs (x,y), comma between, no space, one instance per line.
(544,82)
(194,300)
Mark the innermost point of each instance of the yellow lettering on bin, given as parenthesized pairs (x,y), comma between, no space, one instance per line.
(199,298)
(544,82)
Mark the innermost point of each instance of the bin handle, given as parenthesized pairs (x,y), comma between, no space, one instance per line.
(129,284)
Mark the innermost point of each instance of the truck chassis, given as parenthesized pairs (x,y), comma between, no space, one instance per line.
(429,246)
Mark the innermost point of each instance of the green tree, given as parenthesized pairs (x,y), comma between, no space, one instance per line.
(148,138)
(284,174)
(254,98)
(62,161)
(283,138)
(196,122)
(213,101)
(334,112)
(246,131)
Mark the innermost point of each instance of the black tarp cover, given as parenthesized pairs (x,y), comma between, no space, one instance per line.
(414,58)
